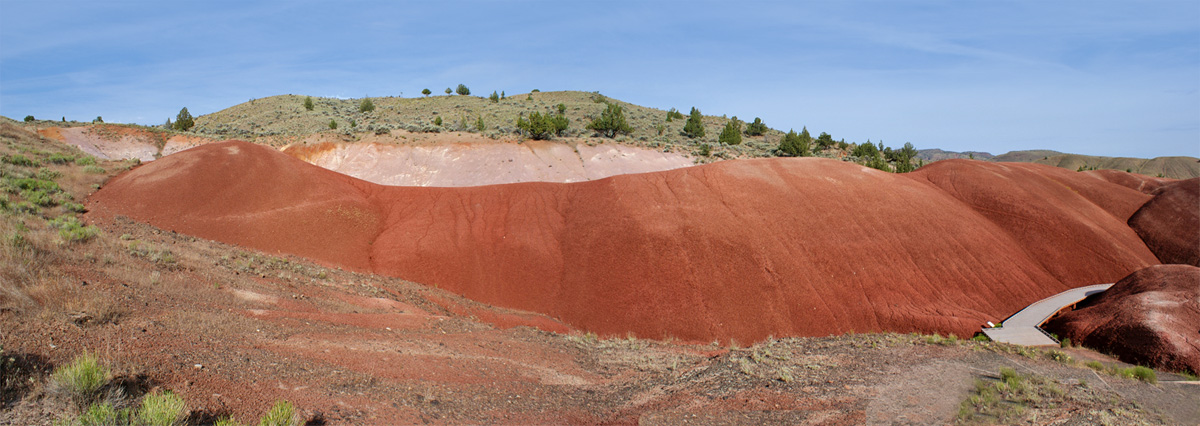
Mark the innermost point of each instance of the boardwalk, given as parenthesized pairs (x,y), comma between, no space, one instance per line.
(1023,327)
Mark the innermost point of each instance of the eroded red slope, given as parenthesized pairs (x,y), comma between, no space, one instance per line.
(736,249)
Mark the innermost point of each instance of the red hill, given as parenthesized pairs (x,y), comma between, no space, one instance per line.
(735,249)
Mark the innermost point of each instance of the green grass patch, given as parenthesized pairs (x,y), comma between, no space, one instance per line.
(281,414)
(71,230)
(162,409)
(1007,399)
(1144,374)
(18,160)
(82,378)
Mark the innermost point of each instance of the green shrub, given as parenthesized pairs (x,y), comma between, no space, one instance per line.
(426,92)
(757,128)
(462,90)
(184,120)
(96,170)
(543,126)
(86,160)
(98,119)
(25,207)
(38,197)
(1141,373)
(19,160)
(308,103)
(162,409)
(694,128)
(71,230)
(705,149)
(495,97)
(103,414)
(57,158)
(1059,356)
(73,207)
(793,145)
(1066,342)
(29,119)
(610,123)
(437,121)
(47,174)
(332,124)
(281,414)
(449,90)
(732,133)
(82,378)
(229,421)
(674,114)
(366,105)
(479,124)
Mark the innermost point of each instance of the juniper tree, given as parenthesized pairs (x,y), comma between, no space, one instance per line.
(183,121)
(694,128)
(495,97)
(308,103)
(611,122)
(449,90)
(792,145)
(732,133)
(426,92)
(366,105)
(757,128)
(462,90)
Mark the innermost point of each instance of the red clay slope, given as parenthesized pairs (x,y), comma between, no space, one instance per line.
(250,195)
(1148,318)
(1170,222)
(736,249)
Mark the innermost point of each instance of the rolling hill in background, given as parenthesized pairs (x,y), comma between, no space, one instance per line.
(1180,167)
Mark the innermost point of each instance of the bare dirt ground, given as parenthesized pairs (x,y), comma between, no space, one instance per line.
(232,330)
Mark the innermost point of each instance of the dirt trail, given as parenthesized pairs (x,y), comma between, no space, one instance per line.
(732,250)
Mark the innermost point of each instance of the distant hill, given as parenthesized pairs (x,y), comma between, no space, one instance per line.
(1027,156)
(1169,167)
(284,117)
(930,155)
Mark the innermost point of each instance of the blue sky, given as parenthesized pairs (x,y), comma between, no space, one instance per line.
(1091,77)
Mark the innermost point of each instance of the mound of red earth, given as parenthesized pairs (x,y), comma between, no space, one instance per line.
(731,250)
(1148,318)
(1170,222)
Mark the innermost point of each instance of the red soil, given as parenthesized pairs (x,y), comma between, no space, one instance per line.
(1148,318)
(1170,222)
(732,250)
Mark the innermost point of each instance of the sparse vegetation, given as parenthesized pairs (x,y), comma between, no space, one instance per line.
(71,230)
(1007,399)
